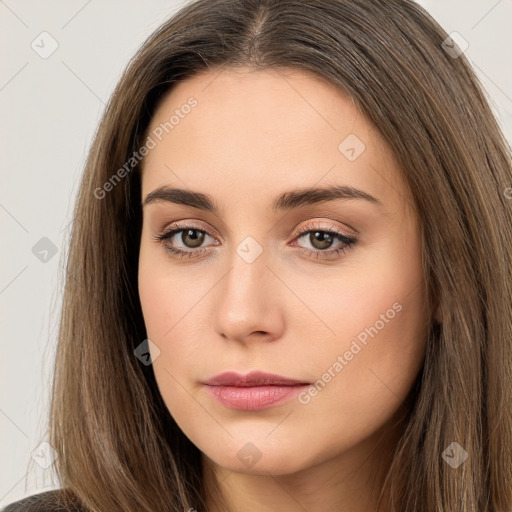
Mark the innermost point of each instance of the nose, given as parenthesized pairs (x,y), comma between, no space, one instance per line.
(248,302)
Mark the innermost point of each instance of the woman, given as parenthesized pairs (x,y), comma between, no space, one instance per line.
(289,279)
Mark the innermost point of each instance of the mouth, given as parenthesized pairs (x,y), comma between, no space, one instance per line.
(254,391)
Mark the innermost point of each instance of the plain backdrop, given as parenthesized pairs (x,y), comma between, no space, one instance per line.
(50,106)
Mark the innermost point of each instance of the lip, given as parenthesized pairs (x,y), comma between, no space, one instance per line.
(254,391)
(255,378)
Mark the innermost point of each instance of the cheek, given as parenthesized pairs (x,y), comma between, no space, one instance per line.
(166,294)
(365,371)
(154,302)
(377,296)
(375,322)
(165,302)
(173,304)
(374,333)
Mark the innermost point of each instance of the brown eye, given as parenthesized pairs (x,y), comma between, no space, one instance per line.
(192,238)
(186,241)
(321,239)
(324,243)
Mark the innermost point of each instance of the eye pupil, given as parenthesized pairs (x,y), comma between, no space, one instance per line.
(322,238)
(196,240)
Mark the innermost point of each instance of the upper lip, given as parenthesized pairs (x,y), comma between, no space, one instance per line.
(255,378)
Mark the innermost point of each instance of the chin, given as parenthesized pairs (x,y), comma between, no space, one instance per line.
(259,457)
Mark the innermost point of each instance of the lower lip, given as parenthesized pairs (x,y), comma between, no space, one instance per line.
(253,398)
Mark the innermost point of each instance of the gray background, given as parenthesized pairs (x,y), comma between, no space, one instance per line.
(50,108)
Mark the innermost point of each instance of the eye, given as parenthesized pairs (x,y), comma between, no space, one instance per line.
(322,241)
(189,237)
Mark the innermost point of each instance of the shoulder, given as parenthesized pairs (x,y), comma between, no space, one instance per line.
(49,501)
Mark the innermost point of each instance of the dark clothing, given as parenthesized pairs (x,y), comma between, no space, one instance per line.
(49,501)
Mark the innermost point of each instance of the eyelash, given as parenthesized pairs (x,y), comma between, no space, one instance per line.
(347,242)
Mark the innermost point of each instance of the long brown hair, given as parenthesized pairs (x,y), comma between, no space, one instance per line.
(118,446)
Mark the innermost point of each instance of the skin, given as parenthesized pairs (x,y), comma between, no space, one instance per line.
(253,136)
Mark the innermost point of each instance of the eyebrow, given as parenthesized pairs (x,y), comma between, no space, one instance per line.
(286,201)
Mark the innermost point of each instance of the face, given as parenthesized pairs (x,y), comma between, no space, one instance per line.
(292,249)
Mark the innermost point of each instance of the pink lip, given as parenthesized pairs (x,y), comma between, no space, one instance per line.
(252,379)
(254,391)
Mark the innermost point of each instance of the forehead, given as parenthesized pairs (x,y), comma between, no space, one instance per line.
(256,133)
